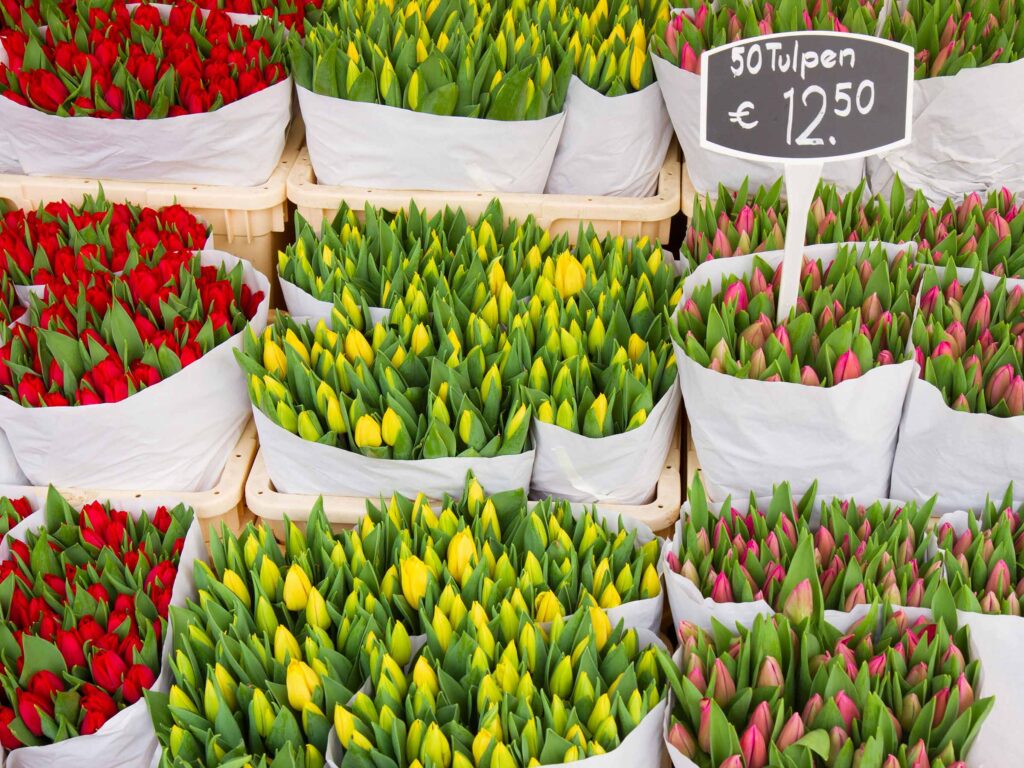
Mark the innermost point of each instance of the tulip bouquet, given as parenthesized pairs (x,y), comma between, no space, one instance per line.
(61,243)
(497,548)
(86,602)
(969,343)
(683,38)
(109,61)
(275,643)
(463,59)
(951,37)
(787,692)
(844,342)
(852,554)
(103,344)
(507,692)
(13,13)
(984,557)
(419,388)
(851,316)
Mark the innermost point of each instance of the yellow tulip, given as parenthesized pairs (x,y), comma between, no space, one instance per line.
(570,276)
(368,433)
(296,588)
(462,555)
(301,682)
(391,426)
(237,585)
(414,574)
(274,359)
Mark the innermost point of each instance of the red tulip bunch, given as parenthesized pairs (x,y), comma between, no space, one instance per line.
(292,13)
(85,602)
(12,512)
(60,243)
(12,12)
(969,343)
(105,341)
(851,316)
(109,61)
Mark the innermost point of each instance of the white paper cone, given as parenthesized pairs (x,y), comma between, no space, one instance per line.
(611,145)
(960,140)
(10,472)
(751,435)
(707,169)
(237,145)
(301,466)
(175,435)
(303,304)
(622,469)
(358,144)
(127,740)
(963,457)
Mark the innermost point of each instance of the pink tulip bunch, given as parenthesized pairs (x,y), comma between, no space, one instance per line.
(976,233)
(791,693)
(969,343)
(851,316)
(683,38)
(856,554)
(985,564)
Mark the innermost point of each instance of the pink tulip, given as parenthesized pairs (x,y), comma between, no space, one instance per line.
(735,761)
(1015,396)
(770,674)
(704,731)
(876,666)
(791,732)
(689,60)
(847,708)
(929,300)
(999,580)
(999,384)
(754,748)
(981,315)
(965,694)
(682,739)
(809,377)
(941,701)
(745,220)
(673,562)
(885,357)
(799,604)
(763,720)
(857,596)
(847,367)
(942,349)
(725,687)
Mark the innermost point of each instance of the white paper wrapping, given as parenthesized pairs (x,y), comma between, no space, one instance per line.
(358,144)
(611,145)
(622,469)
(641,748)
(751,435)
(127,740)
(303,304)
(10,472)
(237,145)
(175,435)
(707,169)
(962,136)
(302,466)
(963,457)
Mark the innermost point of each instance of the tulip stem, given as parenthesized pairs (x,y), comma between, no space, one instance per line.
(801,181)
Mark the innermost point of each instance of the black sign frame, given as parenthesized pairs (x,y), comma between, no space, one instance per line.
(713,58)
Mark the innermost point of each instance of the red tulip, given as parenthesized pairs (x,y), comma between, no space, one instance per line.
(108,670)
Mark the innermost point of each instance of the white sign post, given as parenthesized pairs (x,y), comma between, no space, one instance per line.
(801,99)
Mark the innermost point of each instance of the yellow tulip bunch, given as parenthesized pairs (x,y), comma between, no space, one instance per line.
(500,691)
(546,559)
(415,387)
(274,643)
(608,44)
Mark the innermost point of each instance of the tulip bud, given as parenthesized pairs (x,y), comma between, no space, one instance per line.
(799,605)
(296,588)
(791,732)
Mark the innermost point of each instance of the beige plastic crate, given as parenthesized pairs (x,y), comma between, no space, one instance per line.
(630,217)
(222,504)
(688,194)
(248,222)
(271,507)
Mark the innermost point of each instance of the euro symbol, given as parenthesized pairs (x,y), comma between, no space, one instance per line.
(739,116)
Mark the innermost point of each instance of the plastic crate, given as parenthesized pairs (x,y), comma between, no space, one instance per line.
(271,507)
(222,504)
(248,222)
(627,216)
(688,194)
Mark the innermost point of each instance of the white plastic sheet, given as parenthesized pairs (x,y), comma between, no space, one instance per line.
(127,740)
(963,457)
(238,145)
(303,304)
(622,469)
(357,144)
(175,435)
(302,466)
(751,435)
(611,145)
(642,746)
(963,138)
(707,169)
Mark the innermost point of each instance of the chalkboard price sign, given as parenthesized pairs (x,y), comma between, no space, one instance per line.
(806,96)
